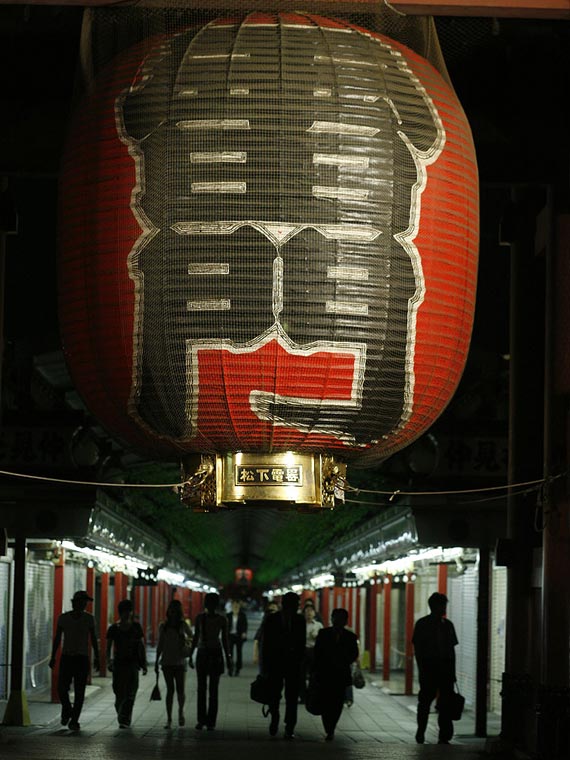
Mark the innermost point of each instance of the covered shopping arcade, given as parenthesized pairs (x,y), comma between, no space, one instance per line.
(477,507)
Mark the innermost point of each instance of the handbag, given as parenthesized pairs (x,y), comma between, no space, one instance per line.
(262,691)
(456,704)
(155,693)
(358,680)
(313,700)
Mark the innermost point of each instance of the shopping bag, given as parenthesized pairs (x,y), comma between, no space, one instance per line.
(456,705)
(313,700)
(155,694)
(357,676)
(260,690)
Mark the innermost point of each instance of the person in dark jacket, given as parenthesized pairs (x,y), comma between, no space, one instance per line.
(434,643)
(77,628)
(237,628)
(272,607)
(283,636)
(212,642)
(125,657)
(336,648)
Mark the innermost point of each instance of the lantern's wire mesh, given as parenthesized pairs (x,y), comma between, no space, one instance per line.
(246,186)
(110,30)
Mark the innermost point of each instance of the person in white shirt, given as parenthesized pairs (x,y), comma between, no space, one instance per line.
(237,629)
(313,628)
(77,628)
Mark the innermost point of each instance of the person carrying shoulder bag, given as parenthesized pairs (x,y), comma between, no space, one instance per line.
(172,652)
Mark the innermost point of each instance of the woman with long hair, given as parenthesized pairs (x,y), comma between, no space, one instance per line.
(212,642)
(173,648)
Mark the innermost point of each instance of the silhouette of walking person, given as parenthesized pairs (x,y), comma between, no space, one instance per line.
(313,628)
(272,607)
(336,648)
(237,627)
(173,648)
(211,642)
(434,641)
(77,628)
(126,655)
(283,640)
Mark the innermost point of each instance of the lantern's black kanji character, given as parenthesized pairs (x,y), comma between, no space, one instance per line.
(238,128)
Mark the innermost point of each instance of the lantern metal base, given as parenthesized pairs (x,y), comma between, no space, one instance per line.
(286,480)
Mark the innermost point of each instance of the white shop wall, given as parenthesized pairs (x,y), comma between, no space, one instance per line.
(5,607)
(497,636)
(39,625)
(462,611)
(74,579)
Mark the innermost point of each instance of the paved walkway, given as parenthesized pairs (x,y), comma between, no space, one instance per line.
(378,725)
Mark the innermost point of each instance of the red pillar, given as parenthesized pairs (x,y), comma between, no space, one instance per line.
(103,618)
(57,610)
(196,604)
(350,607)
(387,626)
(90,587)
(337,598)
(145,591)
(346,601)
(159,604)
(372,624)
(186,602)
(442,579)
(409,661)
(121,588)
(162,596)
(155,614)
(325,607)
(137,603)
(357,626)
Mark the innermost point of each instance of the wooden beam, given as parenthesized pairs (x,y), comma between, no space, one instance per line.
(538,9)
(545,9)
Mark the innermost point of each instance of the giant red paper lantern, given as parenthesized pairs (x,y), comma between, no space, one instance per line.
(269,237)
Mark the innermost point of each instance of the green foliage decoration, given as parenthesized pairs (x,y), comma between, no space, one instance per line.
(304,535)
(193,533)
